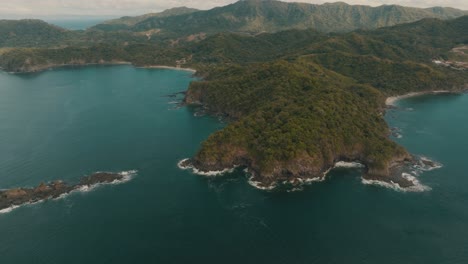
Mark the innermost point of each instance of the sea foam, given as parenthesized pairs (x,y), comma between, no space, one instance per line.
(257,184)
(126,176)
(344,164)
(416,170)
(299,183)
(260,186)
(417,186)
(9,209)
(425,167)
(203,173)
(13,207)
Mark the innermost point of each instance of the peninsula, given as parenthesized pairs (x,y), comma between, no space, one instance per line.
(299,96)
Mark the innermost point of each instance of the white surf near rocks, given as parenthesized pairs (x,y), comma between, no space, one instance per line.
(298,183)
(417,186)
(203,173)
(126,176)
(345,164)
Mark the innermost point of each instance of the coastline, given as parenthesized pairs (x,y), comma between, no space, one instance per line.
(41,68)
(11,199)
(400,179)
(169,68)
(391,101)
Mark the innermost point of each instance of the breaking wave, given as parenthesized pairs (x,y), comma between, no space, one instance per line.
(297,184)
(260,185)
(426,164)
(344,164)
(422,165)
(203,173)
(11,208)
(126,176)
(417,186)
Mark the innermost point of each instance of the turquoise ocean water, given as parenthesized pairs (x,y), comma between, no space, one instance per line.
(67,123)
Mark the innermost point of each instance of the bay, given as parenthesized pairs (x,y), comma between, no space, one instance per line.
(67,123)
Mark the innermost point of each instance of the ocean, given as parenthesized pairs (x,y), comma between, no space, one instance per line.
(70,122)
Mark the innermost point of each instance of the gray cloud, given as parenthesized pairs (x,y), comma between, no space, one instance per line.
(63,8)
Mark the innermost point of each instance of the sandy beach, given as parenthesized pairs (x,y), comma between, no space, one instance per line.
(390,101)
(170,68)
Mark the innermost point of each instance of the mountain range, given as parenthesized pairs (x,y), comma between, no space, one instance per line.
(247,17)
(254,16)
(298,98)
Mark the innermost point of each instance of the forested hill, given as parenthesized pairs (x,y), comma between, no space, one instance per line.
(421,42)
(298,100)
(127,22)
(29,32)
(254,16)
(178,25)
(321,100)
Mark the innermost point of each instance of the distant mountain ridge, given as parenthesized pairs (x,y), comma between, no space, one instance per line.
(28,32)
(297,101)
(254,16)
(183,24)
(128,21)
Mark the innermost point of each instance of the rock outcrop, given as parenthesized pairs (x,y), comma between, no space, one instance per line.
(20,196)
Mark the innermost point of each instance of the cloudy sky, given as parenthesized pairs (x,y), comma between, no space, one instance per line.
(68,8)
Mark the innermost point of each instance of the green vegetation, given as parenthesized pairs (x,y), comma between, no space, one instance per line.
(29,32)
(254,16)
(181,25)
(37,59)
(391,77)
(125,23)
(27,60)
(459,54)
(298,100)
(293,119)
(39,34)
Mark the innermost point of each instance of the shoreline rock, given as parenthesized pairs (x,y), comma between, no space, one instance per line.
(19,196)
(396,175)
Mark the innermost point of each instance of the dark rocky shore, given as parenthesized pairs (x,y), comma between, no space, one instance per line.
(20,196)
(396,174)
